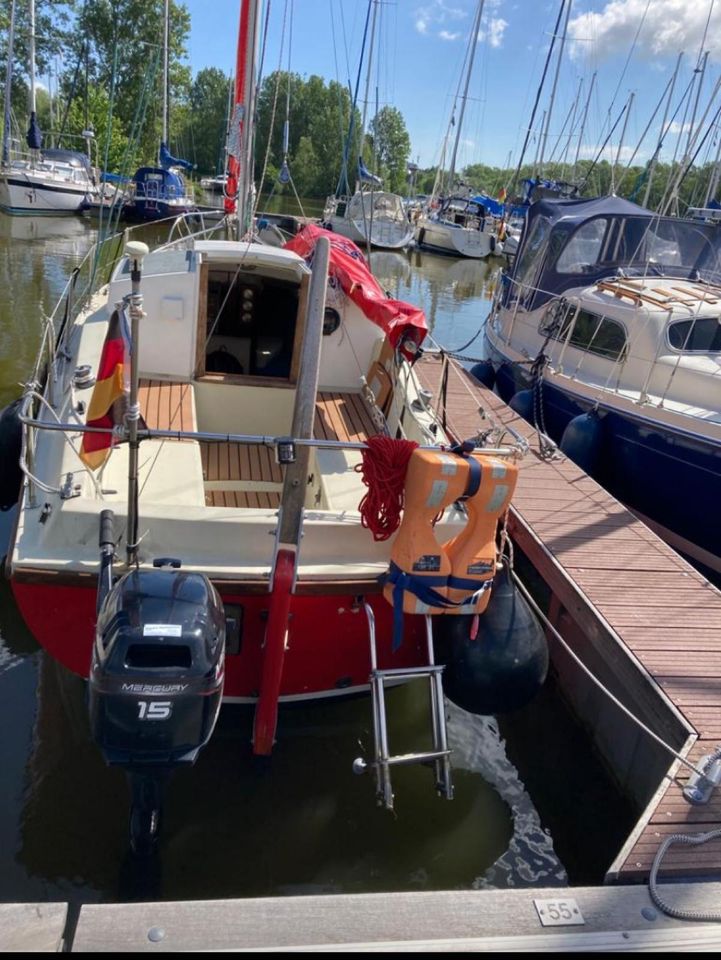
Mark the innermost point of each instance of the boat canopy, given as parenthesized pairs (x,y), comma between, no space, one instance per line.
(348,267)
(497,208)
(73,157)
(364,205)
(158,183)
(572,243)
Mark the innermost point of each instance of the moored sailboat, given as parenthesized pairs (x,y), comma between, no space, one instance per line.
(252,555)
(370,215)
(453,221)
(41,182)
(158,192)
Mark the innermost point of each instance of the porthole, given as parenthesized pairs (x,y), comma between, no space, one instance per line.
(331,321)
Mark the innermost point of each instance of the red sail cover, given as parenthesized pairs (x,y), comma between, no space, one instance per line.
(400,320)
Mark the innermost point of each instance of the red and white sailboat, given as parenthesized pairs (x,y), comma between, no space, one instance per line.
(191,524)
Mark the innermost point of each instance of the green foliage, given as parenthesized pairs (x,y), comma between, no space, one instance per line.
(203,125)
(391,148)
(594,179)
(319,119)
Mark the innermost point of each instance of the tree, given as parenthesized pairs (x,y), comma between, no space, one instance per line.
(205,126)
(121,41)
(392,147)
(319,115)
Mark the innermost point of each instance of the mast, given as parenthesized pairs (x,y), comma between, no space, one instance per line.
(34,137)
(583,126)
(33,104)
(374,4)
(620,142)
(654,158)
(544,137)
(473,43)
(700,70)
(238,189)
(576,102)
(343,179)
(8,87)
(714,178)
(166,21)
(529,128)
(228,114)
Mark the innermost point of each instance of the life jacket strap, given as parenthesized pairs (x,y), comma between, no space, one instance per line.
(423,589)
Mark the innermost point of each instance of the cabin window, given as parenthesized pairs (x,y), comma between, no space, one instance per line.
(251,324)
(593,333)
(584,248)
(331,321)
(529,262)
(700,335)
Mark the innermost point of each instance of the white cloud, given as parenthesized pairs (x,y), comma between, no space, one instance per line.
(669,27)
(435,14)
(608,153)
(447,35)
(676,127)
(496,30)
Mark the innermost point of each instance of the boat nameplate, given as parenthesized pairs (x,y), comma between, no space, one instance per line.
(559,913)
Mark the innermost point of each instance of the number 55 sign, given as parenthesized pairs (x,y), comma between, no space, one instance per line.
(558,913)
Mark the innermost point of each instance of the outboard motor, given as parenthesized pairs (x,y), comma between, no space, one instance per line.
(156,678)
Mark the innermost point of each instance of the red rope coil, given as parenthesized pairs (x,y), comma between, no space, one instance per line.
(383,471)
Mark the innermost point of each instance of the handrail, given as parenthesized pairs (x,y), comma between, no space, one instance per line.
(266,440)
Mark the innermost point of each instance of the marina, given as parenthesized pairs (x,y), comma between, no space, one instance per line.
(626,639)
(360,568)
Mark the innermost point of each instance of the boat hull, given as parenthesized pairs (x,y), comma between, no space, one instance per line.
(145,210)
(383,235)
(457,241)
(669,477)
(327,654)
(23,195)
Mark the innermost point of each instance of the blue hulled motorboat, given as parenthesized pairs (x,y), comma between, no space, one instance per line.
(607,335)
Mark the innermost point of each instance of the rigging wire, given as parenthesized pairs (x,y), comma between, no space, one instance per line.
(538,96)
(625,66)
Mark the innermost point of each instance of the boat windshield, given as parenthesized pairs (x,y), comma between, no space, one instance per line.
(640,246)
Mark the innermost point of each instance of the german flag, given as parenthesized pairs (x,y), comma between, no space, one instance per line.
(110,393)
(502,194)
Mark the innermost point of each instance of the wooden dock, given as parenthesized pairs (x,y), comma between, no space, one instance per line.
(645,621)
(541,920)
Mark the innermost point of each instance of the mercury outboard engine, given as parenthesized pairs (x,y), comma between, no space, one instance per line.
(156,678)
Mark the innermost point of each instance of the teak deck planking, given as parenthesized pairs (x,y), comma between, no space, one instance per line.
(663,610)
(168,405)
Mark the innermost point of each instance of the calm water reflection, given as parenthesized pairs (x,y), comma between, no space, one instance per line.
(302,824)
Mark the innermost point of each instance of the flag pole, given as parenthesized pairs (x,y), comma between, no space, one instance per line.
(135,252)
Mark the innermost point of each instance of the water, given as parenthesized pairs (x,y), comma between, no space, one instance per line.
(304,823)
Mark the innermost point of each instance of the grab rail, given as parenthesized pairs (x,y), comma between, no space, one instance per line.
(266,440)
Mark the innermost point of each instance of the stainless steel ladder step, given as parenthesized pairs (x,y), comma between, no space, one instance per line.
(439,756)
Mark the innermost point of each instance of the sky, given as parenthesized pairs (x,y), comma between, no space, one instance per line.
(632,46)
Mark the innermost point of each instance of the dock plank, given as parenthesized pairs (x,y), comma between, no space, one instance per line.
(617,579)
(32,927)
(621,919)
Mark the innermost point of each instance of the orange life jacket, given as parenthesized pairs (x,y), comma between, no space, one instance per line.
(455,577)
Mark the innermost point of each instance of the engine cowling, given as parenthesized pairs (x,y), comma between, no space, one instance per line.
(158,666)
